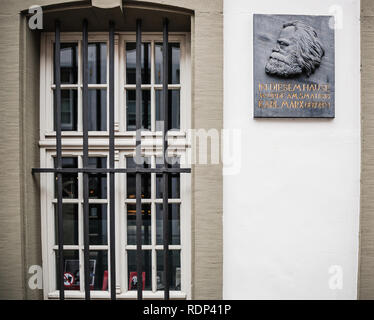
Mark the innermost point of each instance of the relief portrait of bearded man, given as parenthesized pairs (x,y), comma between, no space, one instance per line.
(298,50)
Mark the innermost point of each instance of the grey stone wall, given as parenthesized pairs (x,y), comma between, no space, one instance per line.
(366,262)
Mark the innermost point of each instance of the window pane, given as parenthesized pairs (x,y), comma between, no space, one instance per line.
(173,179)
(131,179)
(131,110)
(147,270)
(174,63)
(69,222)
(97,114)
(99,270)
(131,63)
(69,109)
(98,224)
(69,63)
(146,224)
(174,224)
(173,109)
(174,268)
(71,270)
(69,180)
(97,63)
(97,182)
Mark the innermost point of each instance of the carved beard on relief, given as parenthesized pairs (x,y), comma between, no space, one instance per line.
(283,66)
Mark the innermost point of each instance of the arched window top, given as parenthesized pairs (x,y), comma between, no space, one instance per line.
(98,14)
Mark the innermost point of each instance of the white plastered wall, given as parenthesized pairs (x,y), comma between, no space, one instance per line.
(292,212)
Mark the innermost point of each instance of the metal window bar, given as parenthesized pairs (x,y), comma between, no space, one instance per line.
(138,170)
(111,165)
(139,252)
(57,116)
(109,170)
(85,163)
(165,118)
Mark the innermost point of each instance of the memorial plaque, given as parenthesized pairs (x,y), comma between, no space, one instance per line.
(293,66)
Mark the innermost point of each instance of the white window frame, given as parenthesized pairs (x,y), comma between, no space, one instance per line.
(124,146)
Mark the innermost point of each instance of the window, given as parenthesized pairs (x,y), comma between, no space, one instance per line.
(71,121)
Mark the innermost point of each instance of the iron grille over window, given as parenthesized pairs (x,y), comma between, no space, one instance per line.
(62,170)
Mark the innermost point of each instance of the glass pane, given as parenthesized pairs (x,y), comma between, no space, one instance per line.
(69,63)
(97,182)
(71,270)
(99,270)
(69,222)
(131,110)
(69,180)
(174,63)
(98,230)
(147,270)
(146,224)
(69,109)
(173,179)
(174,268)
(131,63)
(97,63)
(97,110)
(173,109)
(174,224)
(131,179)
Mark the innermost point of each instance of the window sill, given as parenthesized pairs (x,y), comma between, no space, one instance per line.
(123,140)
(179,295)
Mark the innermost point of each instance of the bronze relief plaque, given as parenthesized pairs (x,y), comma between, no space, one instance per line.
(294,66)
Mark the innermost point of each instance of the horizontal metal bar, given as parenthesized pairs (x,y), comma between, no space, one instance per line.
(156,86)
(111,170)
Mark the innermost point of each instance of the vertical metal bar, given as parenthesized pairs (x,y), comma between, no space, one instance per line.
(145,115)
(98,57)
(111,163)
(85,163)
(57,109)
(139,253)
(165,161)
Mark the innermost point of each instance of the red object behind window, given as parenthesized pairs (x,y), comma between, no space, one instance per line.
(105,281)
